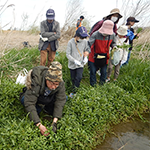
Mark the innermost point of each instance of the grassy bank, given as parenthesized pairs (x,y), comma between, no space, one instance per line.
(86,118)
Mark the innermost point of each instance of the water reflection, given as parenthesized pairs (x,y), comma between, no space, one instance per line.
(133,135)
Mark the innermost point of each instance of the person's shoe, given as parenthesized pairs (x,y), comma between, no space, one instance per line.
(115,80)
(71,95)
(98,72)
(107,80)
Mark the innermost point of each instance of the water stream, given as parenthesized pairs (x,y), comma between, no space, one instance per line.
(132,135)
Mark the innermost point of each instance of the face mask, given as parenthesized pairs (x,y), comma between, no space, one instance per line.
(114,19)
(80,40)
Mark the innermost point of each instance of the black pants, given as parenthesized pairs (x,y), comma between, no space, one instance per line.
(76,76)
(49,107)
(48,101)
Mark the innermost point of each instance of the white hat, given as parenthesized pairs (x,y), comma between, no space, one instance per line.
(122,30)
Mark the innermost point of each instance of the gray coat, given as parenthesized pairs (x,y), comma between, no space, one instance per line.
(50,35)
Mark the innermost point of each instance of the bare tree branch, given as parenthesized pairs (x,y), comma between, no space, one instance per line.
(3,6)
(138,9)
(73,11)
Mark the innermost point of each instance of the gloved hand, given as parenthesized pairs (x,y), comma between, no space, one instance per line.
(77,62)
(85,60)
(54,125)
(44,39)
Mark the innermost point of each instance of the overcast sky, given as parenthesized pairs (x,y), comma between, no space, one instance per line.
(37,9)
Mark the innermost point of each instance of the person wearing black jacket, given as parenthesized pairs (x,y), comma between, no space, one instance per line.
(45,92)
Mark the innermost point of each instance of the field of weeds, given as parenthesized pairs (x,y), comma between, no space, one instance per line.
(88,117)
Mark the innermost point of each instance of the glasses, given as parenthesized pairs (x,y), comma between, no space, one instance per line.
(54,84)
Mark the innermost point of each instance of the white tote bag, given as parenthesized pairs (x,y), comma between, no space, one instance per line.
(115,59)
(22,77)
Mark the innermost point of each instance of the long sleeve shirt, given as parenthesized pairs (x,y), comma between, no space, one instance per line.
(75,51)
(101,44)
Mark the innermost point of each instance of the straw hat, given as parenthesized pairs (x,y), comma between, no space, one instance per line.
(107,27)
(115,11)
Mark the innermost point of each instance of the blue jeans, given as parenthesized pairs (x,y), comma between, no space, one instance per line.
(93,69)
(129,54)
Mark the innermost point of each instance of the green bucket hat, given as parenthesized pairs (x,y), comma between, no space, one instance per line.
(54,73)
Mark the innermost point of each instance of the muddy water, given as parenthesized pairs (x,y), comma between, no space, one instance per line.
(133,135)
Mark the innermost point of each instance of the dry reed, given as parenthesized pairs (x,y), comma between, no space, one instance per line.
(15,39)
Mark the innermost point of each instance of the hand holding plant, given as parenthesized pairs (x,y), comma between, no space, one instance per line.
(42,129)
(138,31)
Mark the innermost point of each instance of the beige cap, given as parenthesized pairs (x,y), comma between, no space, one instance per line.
(115,11)
(122,30)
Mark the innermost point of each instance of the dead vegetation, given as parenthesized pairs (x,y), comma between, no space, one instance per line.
(15,39)
(144,43)
(144,37)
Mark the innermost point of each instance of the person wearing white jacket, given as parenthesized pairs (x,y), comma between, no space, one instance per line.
(119,54)
(77,53)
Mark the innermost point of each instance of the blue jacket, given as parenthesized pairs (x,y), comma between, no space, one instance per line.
(130,34)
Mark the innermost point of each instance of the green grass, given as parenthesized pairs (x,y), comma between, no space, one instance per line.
(86,118)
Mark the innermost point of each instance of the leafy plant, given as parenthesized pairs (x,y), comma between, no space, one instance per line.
(139,30)
(86,118)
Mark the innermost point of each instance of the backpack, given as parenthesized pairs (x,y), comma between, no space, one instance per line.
(95,25)
(92,27)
